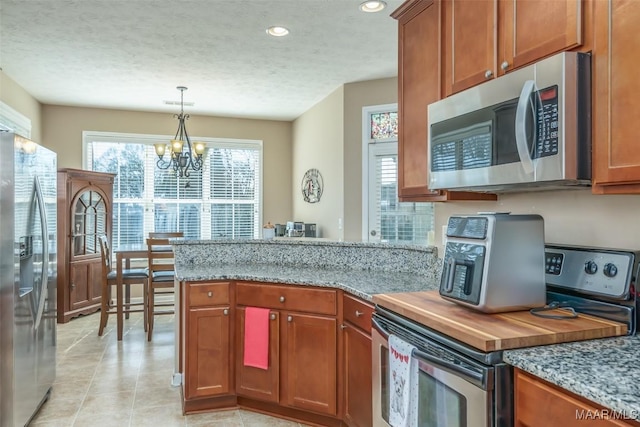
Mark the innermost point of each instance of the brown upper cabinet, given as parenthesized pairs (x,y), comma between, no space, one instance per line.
(616,108)
(419,84)
(529,30)
(469,53)
(487,38)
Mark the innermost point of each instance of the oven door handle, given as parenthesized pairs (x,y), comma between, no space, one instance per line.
(476,378)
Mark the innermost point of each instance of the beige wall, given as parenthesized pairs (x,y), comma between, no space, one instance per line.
(356,96)
(17,98)
(63,128)
(318,143)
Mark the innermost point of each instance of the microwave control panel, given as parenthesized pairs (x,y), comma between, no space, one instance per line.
(548,128)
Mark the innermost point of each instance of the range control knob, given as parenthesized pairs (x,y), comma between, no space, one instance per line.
(610,270)
(590,267)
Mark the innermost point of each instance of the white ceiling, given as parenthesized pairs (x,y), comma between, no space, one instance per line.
(131,54)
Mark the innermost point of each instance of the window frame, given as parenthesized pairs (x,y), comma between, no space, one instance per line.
(149,139)
(370,147)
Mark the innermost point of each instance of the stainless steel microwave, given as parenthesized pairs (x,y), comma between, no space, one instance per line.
(528,129)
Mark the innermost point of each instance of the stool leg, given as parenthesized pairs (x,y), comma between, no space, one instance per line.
(127,300)
(104,308)
(150,317)
(145,305)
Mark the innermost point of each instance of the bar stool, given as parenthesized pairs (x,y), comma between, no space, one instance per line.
(133,276)
(161,274)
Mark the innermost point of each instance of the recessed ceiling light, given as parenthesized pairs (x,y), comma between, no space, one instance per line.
(277,31)
(372,6)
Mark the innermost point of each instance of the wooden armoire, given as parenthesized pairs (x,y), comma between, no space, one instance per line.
(85,211)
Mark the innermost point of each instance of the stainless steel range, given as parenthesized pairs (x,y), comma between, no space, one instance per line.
(459,385)
(595,281)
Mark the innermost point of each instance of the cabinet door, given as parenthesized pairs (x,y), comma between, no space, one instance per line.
(538,404)
(531,30)
(357,377)
(616,108)
(469,53)
(79,294)
(207,364)
(253,382)
(418,86)
(310,362)
(94,284)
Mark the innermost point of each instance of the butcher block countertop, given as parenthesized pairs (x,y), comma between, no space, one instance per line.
(500,331)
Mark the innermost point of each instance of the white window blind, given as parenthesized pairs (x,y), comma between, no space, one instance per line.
(398,222)
(223,200)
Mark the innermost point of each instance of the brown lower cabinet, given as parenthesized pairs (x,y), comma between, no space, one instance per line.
(357,362)
(541,404)
(302,347)
(207,339)
(310,350)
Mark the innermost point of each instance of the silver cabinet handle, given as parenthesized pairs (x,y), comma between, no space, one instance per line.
(289,318)
(343,326)
(209,294)
(273,316)
(504,65)
(488,74)
(282,299)
(359,313)
(225,311)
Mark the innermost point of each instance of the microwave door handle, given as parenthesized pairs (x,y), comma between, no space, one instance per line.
(521,126)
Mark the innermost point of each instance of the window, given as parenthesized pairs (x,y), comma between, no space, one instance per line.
(221,201)
(385,219)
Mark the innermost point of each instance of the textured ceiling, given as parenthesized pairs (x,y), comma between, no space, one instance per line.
(131,54)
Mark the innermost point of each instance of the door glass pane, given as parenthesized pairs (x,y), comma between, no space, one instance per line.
(438,404)
(398,222)
(384,125)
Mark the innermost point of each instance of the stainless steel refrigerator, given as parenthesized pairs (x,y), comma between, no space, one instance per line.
(27,277)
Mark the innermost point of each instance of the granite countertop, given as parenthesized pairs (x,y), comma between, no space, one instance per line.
(603,370)
(362,283)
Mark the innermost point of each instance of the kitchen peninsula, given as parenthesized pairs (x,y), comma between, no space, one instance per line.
(319,298)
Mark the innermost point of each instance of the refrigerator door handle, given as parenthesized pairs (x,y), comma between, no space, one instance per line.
(45,254)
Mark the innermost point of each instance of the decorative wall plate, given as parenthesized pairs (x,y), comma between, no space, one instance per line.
(312,186)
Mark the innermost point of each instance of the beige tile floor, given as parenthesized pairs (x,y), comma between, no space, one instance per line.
(101,382)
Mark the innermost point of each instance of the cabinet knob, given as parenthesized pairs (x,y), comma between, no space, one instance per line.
(273,316)
(504,65)
(72,285)
(225,311)
(488,74)
(282,299)
(209,294)
(289,318)
(343,326)
(359,313)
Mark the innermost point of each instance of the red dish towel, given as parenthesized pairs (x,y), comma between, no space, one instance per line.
(256,337)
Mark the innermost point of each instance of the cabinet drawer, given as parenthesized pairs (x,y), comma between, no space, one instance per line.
(294,298)
(208,294)
(357,312)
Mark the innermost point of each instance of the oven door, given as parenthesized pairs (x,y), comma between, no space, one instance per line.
(449,395)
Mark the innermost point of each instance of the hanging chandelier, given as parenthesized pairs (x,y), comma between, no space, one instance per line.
(183,155)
